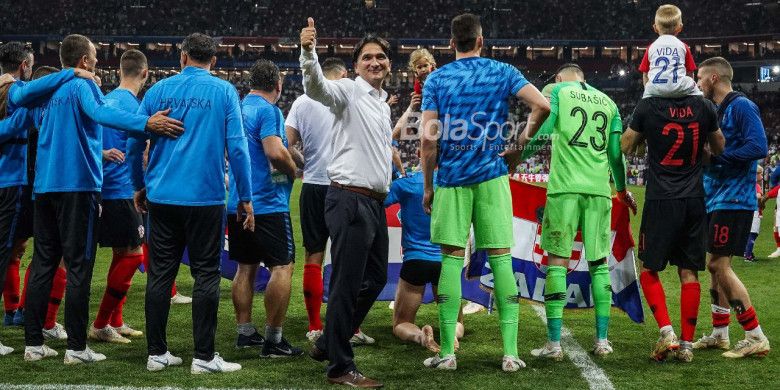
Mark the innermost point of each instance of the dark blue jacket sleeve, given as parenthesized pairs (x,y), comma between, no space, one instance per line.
(27,94)
(92,103)
(237,147)
(11,126)
(754,148)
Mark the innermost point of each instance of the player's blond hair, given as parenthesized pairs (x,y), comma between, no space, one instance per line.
(720,66)
(418,55)
(667,18)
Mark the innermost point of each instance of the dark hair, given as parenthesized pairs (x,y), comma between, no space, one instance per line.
(570,65)
(333,64)
(200,47)
(44,71)
(73,47)
(465,30)
(370,38)
(12,54)
(264,76)
(132,63)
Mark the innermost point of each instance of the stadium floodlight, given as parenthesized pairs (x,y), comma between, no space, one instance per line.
(776,69)
(622,72)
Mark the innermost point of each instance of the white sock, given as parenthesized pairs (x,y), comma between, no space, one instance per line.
(721,333)
(666,329)
(554,344)
(755,333)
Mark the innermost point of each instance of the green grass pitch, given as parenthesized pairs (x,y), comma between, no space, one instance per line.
(399,365)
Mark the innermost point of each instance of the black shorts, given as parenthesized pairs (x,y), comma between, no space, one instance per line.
(271,243)
(421,272)
(120,224)
(672,231)
(728,231)
(312,207)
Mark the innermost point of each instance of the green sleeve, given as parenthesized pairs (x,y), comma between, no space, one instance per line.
(545,132)
(542,137)
(617,162)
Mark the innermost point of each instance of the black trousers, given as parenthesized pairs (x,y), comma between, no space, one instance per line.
(201,230)
(10,207)
(359,246)
(64,226)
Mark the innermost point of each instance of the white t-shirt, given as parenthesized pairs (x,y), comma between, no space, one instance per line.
(314,123)
(667,62)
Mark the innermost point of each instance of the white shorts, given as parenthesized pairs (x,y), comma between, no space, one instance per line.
(755,227)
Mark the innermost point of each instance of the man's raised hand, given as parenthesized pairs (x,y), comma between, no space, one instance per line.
(309,36)
(161,124)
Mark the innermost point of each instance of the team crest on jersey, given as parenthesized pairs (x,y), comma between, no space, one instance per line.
(141,231)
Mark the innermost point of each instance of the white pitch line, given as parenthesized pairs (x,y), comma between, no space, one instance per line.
(596,377)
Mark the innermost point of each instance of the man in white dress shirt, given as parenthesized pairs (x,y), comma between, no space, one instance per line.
(359,172)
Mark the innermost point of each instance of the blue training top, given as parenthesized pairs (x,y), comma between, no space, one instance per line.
(190,170)
(730,180)
(416,224)
(270,188)
(116,176)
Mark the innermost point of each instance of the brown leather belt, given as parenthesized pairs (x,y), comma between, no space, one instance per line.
(378,196)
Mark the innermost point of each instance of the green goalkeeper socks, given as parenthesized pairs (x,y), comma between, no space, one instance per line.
(505,290)
(555,300)
(449,301)
(602,297)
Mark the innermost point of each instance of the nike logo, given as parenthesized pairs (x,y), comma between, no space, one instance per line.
(87,360)
(163,362)
(207,368)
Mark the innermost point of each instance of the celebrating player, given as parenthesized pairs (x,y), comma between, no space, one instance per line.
(273,172)
(673,218)
(729,184)
(586,146)
(120,226)
(421,263)
(472,182)
(68,179)
(185,187)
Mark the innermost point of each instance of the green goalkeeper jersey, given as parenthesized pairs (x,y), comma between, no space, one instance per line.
(582,119)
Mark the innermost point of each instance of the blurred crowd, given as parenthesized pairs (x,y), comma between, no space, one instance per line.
(531,19)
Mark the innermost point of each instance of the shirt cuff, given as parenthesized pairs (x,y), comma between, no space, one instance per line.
(307,56)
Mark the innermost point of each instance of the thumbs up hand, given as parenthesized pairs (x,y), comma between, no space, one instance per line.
(309,36)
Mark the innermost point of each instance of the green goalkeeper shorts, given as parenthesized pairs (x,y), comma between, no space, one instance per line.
(564,214)
(488,205)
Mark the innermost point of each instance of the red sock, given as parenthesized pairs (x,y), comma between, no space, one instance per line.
(173,289)
(656,299)
(119,278)
(24,291)
(312,294)
(55,297)
(117,319)
(11,289)
(748,319)
(777,239)
(690,296)
(720,320)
